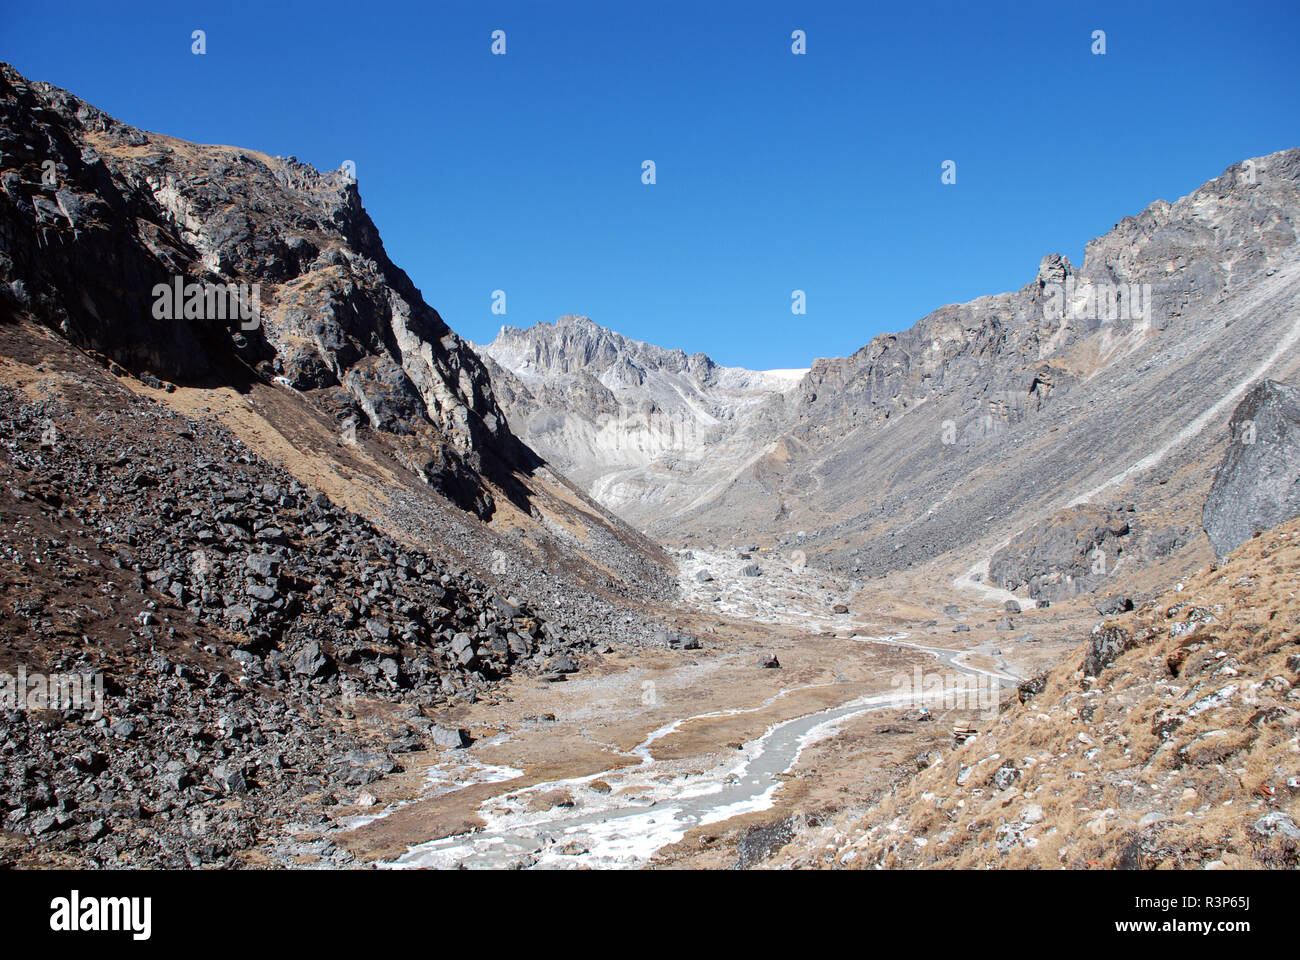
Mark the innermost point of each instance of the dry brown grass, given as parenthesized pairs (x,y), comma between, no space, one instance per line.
(1135,768)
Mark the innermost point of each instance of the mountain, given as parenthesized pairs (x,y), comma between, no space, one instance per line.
(256,486)
(103,221)
(646,431)
(320,569)
(987,418)
(1048,423)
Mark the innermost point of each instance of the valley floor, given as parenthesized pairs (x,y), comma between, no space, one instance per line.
(688,757)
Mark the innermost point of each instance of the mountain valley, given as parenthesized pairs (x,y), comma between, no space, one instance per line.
(1014,586)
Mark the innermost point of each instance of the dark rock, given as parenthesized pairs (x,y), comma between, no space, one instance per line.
(563,664)
(1105,644)
(449,737)
(1112,606)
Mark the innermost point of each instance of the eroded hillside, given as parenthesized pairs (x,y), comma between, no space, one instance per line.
(1169,737)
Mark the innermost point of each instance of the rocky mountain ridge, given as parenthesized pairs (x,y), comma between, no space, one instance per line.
(1096,387)
(629,421)
(99,217)
(1167,739)
(290,530)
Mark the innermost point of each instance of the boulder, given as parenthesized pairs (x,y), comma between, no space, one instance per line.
(311,662)
(1105,644)
(563,664)
(449,737)
(1257,485)
(1112,606)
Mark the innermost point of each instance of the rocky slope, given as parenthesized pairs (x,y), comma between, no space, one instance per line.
(1067,431)
(291,540)
(1168,738)
(95,215)
(646,431)
(987,418)
(100,222)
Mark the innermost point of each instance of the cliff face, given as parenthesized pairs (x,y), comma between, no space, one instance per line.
(102,225)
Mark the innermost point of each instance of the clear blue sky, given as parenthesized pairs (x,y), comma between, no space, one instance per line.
(775,172)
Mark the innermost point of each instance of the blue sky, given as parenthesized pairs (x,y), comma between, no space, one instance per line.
(775,172)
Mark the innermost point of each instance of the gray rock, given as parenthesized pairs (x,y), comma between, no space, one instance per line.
(1104,645)
(261,592)
(1113,606)
(1257,485)
(1276,824)
(1004,776)
(262,564)
(563,664)
(361,767)
(448,737)
(230,778)
(506,609)
(311,661)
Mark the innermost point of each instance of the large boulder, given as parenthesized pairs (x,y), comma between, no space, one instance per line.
(1258,483)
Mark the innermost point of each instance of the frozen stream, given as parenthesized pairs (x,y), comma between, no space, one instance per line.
(635,811)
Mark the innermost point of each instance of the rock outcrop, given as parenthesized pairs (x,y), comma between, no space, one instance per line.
(126,242)
(1071,553)
(1258,483)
